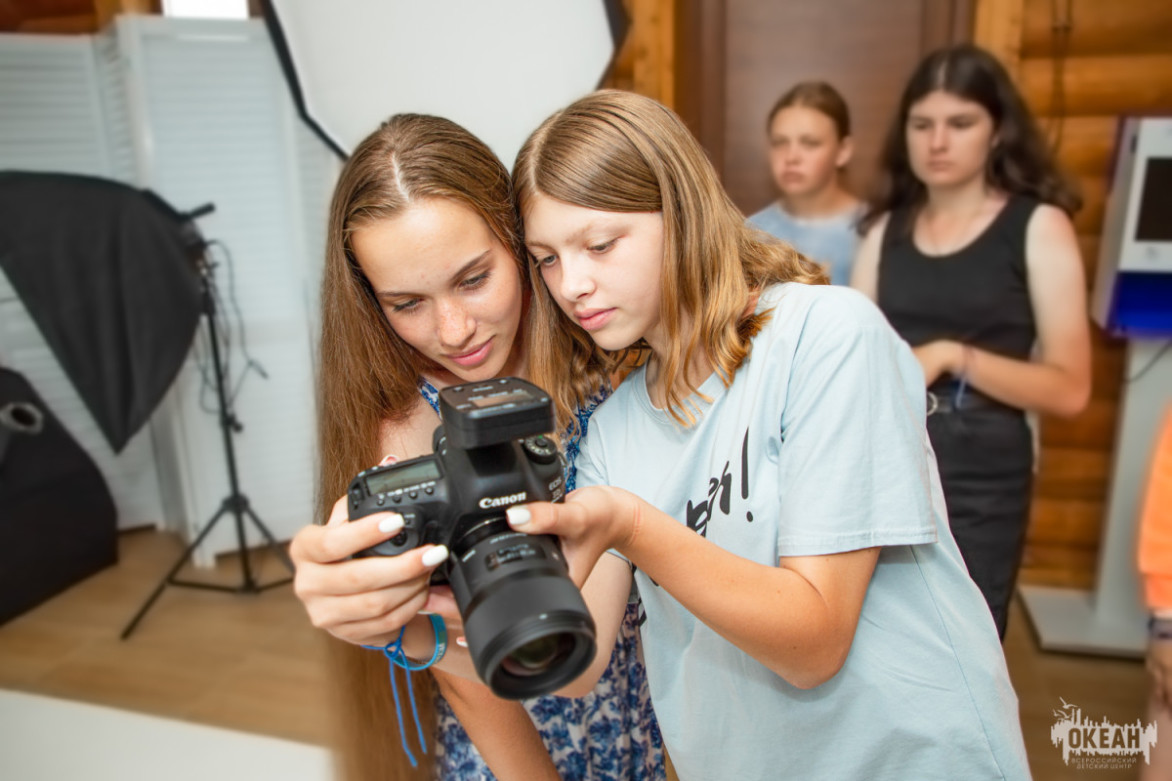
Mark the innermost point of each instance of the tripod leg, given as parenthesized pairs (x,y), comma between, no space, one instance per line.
(273,544)
(167,578)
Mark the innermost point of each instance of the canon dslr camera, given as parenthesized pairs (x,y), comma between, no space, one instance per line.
(525,621)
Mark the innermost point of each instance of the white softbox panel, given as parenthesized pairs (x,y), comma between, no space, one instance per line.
(497,67)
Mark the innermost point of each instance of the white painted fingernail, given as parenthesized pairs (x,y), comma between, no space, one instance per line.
(460,641)
(434,555)
(392,525)
(519,516)
(426,613)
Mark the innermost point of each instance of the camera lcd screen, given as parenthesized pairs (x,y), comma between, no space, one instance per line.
(402,477)
(520,394)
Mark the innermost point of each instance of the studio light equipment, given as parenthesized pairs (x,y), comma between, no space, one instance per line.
(116,279)
(236,504)
(498,68)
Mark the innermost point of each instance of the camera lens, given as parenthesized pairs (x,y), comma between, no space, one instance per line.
(528,629)
(538,656)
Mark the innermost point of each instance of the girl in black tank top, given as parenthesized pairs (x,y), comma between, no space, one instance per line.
(976,268)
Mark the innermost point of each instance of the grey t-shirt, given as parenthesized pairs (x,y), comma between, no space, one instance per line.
(831,241)
(817,447)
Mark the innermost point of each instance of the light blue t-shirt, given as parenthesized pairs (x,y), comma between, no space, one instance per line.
(831,241)
(817,447)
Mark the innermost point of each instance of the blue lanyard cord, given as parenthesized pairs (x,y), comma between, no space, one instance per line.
(963,381)
(394,653)
(958,397)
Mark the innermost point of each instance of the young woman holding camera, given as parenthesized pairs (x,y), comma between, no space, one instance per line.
(764,476)
(424,287)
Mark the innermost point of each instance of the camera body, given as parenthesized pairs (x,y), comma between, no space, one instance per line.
(527,627)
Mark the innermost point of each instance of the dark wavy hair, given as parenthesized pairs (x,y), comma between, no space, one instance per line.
(1020,162)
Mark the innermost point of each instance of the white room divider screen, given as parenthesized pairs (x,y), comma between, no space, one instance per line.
(198,111)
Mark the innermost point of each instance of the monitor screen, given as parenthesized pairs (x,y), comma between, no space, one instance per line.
(1155,202)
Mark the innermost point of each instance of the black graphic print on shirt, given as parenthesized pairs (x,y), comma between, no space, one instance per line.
(718,494)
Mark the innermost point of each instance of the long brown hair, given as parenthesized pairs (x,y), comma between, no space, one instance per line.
(620,152)
(368,376)
(1019,163)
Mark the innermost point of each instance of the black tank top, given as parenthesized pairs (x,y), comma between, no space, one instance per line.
(978,295)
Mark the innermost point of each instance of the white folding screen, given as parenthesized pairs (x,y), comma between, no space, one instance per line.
(217,126)
(198,112)
(64,111)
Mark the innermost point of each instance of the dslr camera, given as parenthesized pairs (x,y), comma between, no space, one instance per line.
(525,621)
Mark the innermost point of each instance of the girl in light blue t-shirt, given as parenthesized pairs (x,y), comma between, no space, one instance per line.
(810,145)
(764,477)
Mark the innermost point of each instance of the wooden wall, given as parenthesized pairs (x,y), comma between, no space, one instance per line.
(1081,64)
(67,17)
(646,60)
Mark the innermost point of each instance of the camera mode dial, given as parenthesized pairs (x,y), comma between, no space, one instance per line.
(540,449)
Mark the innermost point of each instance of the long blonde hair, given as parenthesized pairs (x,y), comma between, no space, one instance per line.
(620,152)
(368,375)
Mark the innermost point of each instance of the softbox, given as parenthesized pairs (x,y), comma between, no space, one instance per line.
(497,68)
(107,273)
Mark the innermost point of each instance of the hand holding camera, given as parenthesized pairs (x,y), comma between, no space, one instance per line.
(365,601)
(527,627)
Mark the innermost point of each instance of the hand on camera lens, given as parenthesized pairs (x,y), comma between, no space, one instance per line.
(589,522)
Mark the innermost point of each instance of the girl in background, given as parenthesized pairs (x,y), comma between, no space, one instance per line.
(764,476)
(424,287)
(970,252)
(809,134)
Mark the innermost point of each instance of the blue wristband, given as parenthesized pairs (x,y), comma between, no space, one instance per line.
(394,652)
(394,649)
(441,647)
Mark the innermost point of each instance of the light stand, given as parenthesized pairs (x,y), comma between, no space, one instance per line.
(236,503)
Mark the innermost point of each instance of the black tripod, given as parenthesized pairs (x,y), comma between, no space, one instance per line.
(236,503)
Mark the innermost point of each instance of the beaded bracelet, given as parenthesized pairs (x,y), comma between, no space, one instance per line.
(394,652)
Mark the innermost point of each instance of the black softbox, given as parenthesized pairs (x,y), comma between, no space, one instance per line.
(107,273)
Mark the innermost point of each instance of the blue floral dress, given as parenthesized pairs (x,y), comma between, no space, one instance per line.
(608,735)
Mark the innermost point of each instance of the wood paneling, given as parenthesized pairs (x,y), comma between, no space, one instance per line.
(106,10)
(1122,84)
(1053,564)
(1087,143)
(735,57)
(1078,474)
(77,24)
(66,17)
(645,62)
(699,73)
(1115,59)
(1092,429)
(997,27)
(1093,189)
(1056,521)
(1098,27)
